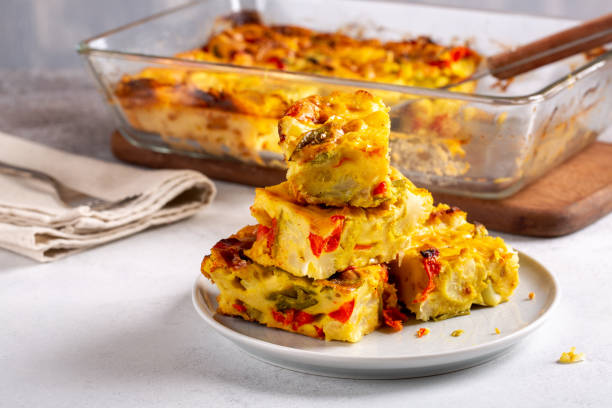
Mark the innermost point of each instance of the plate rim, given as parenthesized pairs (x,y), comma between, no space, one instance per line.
(497,344)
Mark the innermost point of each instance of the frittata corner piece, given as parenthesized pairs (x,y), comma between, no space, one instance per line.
(345,307)
(316,241)
(453,264)
(337,149)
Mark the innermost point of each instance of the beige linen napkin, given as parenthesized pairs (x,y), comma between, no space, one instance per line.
(35,223)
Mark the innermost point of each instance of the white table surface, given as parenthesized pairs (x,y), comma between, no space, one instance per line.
(115,327)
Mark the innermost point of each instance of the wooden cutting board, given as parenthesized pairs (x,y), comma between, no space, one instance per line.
(568,198)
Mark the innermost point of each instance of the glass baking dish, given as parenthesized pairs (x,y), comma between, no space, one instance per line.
(487,143)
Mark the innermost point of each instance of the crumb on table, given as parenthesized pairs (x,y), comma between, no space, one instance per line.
(571,357)
(531,295)
(423,331)
(457,333)
(497,331)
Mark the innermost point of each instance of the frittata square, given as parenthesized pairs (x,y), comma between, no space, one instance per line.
(337,149)
(316,241)
(345,307)
(453,264)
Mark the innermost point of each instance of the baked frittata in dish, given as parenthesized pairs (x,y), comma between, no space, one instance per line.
(337,149)
(315,241)
(228,114)
(453,264)
(345,307)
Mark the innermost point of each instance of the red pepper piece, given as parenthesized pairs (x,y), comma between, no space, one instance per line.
(228,243)
(344,312)
(289,315)
(432,267)
(267,233)
(293,110)
(359,247)
(272,235)
(262,232)
(458,53)
(381,188)
(422,332)
(306,111)
(336,218)
(295,318)
(301,318)
(318,244)
(239,307)
(320,332)
(394,318)
(230,250)
(334,239)
(278,316)
(277,61)
(439,63)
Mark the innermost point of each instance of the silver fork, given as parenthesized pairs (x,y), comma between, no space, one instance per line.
(68,195)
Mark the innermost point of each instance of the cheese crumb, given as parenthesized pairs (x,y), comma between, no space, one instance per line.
(457,333)
(497,331)
(531,295)
(571,357)
(422,332)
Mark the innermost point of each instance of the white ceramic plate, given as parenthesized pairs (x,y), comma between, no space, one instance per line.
(385,354)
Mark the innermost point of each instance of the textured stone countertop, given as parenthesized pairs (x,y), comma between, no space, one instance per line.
(114,326)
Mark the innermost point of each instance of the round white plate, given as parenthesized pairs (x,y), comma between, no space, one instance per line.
(385,354)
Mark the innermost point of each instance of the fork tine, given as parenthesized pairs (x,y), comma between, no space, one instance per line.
(112,205)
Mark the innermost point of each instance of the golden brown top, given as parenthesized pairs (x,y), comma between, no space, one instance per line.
(418,61)
(324,122)
(248,42)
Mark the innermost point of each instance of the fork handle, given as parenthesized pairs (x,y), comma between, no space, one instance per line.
(69,196)
(30,172)
(583,37)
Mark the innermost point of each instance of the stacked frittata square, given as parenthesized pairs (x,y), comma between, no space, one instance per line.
(317,262)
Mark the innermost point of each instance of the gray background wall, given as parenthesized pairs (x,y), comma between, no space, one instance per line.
(41,34)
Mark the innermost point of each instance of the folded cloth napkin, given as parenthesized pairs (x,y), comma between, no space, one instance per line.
(35,223)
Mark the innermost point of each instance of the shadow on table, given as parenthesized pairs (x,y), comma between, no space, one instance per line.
(179,348)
